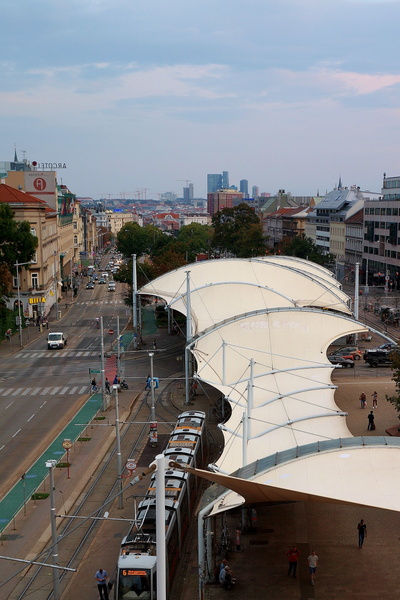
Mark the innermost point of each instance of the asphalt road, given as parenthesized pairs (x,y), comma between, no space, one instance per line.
(41,389)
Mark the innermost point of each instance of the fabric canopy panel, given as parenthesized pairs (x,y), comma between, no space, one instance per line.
(279,283)
(362,474)
(306,267)
(273,368)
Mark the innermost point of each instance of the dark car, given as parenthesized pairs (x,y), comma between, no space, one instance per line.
(379,357)
(90,286)
(102,280)
(341,361)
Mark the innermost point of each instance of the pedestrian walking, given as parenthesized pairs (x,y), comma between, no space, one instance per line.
(313,564)
(363,400)
(371,421)
(362,532)
(374,400)
(293,556)
(107,385)
(101,578)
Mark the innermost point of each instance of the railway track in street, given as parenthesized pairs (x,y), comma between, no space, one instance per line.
(74,534)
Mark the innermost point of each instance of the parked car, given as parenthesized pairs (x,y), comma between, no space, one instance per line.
(348,351)
(341,361)
(379,357)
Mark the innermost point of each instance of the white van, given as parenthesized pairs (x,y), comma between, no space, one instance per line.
(56,340)
(111,286)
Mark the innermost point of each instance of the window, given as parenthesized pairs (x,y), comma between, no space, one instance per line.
(395,212)
(75,239)
(34,258)
(33,231)
(35,281)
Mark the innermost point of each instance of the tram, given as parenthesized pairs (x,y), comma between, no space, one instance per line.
(137,562)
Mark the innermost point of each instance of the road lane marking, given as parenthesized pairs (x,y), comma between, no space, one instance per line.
(54,392)
(8,406)
(41,406)
(31,417)
(16,433)
(26,392)
(78,353)
(83,389)
(64,354)
(18,391)
(73,389)
(45,391)
(8,392)
(35,391)
(63,391)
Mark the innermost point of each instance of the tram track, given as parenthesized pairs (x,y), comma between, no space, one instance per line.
(75,537)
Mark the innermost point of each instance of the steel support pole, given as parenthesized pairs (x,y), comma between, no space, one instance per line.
(188,339)
(134,294)
(118,440)
(160,528)
(50,464)
(103,374)
(153,402)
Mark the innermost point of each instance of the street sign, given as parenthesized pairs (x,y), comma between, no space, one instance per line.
(131,464)
(94,370)
(153,437)
(67,444)
(110,331)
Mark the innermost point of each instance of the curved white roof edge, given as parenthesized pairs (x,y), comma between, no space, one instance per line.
(359,470)
(166,286)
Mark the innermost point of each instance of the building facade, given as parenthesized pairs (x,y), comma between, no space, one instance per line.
(221,199)
(381,250)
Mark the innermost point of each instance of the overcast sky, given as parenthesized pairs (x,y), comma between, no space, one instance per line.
(130,95)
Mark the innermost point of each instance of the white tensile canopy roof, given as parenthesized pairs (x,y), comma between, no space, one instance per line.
(220,289)
(260,331)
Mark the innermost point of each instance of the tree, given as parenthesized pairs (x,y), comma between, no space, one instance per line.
(193,239)
(234,231)
(304,247)
(17,244)
(133,239)
(395,400)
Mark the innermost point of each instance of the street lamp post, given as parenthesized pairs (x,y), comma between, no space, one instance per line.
(55,283)
(50,464)
(17,264)
(118,439)
(153,406)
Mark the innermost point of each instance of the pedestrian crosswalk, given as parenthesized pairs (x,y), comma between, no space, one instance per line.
(59,353)
(56,390)
(92,302)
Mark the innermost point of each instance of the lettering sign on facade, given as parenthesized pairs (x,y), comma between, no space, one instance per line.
(37,300)
(49,165)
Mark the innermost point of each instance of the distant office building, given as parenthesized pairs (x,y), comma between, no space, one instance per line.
(255,191)
(244,187)
(225,180)
(214,182)
(217,201)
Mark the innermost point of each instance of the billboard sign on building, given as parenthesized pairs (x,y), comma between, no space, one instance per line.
(41,184)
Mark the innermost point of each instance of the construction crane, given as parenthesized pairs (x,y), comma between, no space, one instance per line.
(186,180)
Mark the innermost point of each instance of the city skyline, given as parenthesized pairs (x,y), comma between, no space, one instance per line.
(287,95)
